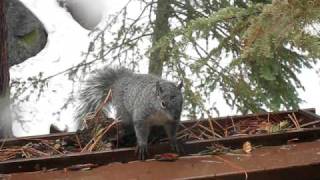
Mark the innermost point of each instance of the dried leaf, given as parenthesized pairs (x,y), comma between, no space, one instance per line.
(57,146)
(265,126)
(247,147)
(166,157)
(82,167)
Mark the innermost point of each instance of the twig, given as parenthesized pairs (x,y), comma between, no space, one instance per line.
(34,151)
(192,133)
(97,137)
(182,136)
(94,141)
(219,125)
(310,123)
(186,129)
(117,145)
(234,127)
(214,133)
(104,102)
(52,148)
(294,121)
(295,118)
(8,157)
(239,134)
(233,165)
(77,167)
(226,132)
(2,144)
(237,154)
(96,114)
(101,135)
(78,141)
(25,154)
(211,126)
(206,135)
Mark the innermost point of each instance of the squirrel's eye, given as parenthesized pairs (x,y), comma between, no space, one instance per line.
(163,104)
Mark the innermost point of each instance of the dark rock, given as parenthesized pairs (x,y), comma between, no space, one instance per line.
(87,13)
(26,34)
(55,129)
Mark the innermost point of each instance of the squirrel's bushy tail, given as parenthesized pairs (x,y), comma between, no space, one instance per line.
(95,90)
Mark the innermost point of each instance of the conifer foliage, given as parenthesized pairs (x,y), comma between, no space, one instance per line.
(251,51)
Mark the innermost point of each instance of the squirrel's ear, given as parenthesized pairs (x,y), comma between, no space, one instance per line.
(180,85)
(158,88)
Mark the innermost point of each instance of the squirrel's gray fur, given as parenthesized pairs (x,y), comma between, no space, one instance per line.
(143,100)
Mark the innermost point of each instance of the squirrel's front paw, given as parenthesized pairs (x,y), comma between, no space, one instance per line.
(142,152)
(177,147)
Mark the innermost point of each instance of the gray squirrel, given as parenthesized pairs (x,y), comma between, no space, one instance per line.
(142,100)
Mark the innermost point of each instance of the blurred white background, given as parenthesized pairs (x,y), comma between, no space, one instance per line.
(66,42)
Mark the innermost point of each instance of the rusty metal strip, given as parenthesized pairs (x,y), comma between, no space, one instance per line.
(23,140)
(276,162)
(127,154)
(262,139)
(309,114)
(264,114)
(310,172)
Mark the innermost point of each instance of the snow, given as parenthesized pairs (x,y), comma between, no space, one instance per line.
(66,41)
